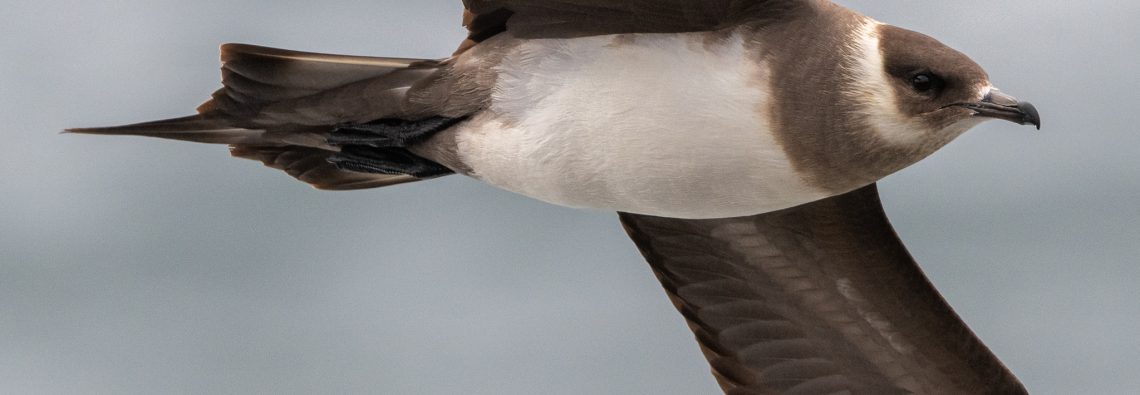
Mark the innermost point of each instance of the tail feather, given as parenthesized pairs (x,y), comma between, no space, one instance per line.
(194,128)
(254,76)
(272,109)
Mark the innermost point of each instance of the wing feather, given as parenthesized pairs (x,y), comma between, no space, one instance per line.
(818,299)
(311,165)
(574,18)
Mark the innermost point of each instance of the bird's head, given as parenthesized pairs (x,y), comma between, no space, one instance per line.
(939,87)
(905,96)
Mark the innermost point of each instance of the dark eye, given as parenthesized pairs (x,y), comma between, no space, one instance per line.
(925,82)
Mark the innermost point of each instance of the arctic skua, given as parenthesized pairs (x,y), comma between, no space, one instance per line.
(741,141)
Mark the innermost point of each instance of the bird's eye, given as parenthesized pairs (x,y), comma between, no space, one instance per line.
(925,82)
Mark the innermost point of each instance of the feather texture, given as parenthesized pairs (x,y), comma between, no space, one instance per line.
(576,18)
(278,107)
(817,299)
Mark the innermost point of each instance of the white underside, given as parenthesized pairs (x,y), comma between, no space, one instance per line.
(663,124)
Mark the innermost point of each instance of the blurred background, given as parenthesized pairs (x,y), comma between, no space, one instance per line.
(140,266)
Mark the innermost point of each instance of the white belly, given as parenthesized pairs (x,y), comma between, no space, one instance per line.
(671,125)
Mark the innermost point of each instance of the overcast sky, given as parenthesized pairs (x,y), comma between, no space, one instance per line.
(139,266)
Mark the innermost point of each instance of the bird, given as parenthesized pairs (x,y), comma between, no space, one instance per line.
(740,143)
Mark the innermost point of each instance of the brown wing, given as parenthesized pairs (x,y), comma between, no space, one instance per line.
(572,18)
(312,166)
(818,299)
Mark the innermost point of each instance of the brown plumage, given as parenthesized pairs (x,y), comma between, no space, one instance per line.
(816,299)
(277,106)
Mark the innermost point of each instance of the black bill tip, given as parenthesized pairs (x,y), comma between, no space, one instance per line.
(1030,115)
(998,105)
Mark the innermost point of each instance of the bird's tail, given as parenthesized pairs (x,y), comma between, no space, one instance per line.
(280,107)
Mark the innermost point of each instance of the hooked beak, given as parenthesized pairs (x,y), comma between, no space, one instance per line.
(999,105)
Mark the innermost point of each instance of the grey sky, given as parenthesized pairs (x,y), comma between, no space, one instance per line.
(142,266)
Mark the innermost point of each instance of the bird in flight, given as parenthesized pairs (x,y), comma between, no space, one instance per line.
(740,141)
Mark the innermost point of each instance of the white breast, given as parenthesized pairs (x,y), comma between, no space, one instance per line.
(662,124)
